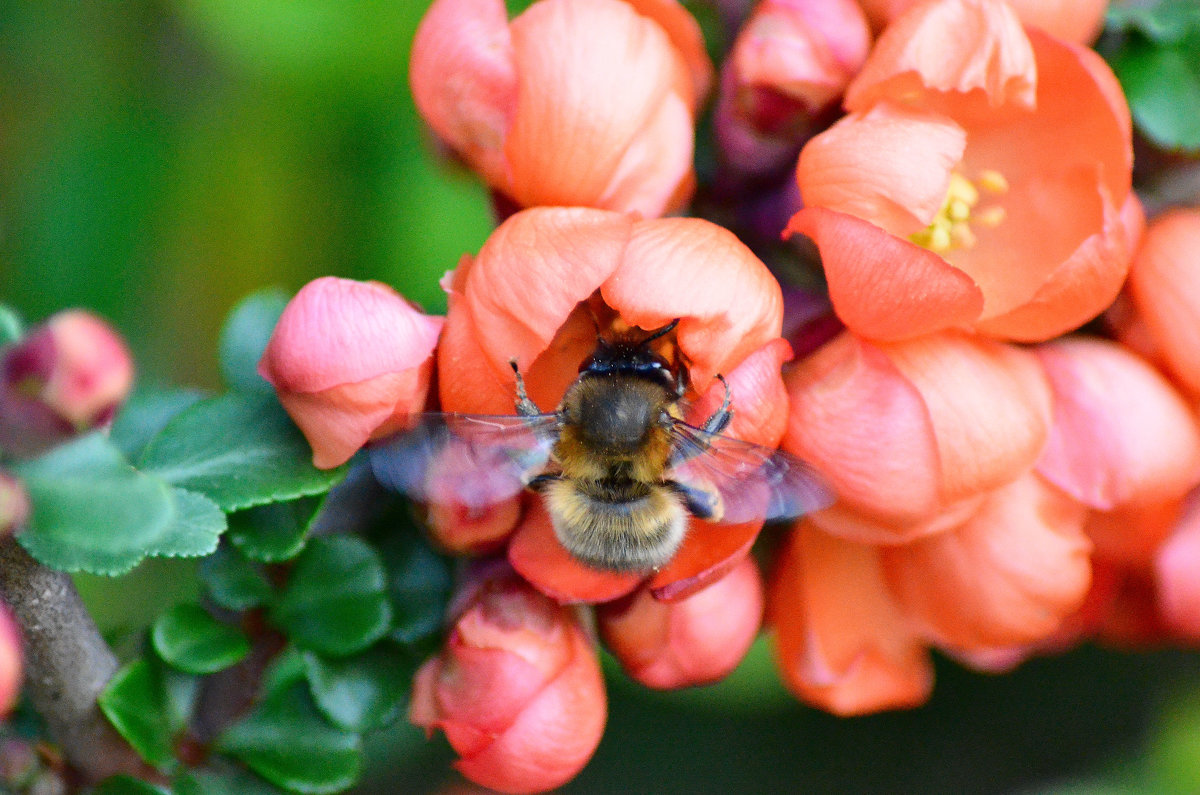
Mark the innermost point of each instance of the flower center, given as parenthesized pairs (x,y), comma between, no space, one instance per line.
(951,227)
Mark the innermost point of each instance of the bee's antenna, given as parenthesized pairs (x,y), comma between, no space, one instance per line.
(662,332)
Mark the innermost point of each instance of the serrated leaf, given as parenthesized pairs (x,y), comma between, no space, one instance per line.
(274,533)
(145,414)
(11,329)
(190,639)
(234,582)
(136,704)
(1162,84)
(336,600)
(222,777)
(362,692)
(195,530)
(244,337)
(239,450)
(91,510)
(419,584)
(127,785)
(286,741)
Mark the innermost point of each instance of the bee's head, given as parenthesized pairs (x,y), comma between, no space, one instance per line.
(631,358)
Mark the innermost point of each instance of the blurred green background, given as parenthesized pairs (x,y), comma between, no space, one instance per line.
(158,160)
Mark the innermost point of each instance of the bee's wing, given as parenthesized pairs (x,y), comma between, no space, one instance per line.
(750,481)
(473,460)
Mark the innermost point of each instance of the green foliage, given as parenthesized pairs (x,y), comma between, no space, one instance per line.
(419,583)
(1154,48)
(221,777)
(240,450)
(287,741)
(145,414)
(126,785)
(273,533)
(149,706)
(234,582)
(10,325)
(244,337)
(336,601)
(93,512)
(363,692)
(187,637)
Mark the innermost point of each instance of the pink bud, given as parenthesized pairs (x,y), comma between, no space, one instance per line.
(14,504)
(351,362)
(10,660)
(517,688)
(695,641)
(64,377)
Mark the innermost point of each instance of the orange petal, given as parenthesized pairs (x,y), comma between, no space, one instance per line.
(841,642)
(989,405)
(1165,285)
(943,47)
(890,166)
(1077,21)
(684,32)
(883,287)
(709,552)
(759,398)
(1121,433)
(591,74)
(1007,576)
(843,521)
(463,79)
(1132,534)
(538,557)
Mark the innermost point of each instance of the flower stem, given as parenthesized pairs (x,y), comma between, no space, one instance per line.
(67,664)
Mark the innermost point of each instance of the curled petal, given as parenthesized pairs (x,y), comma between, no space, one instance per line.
(709,552)
(841,642)
(758,397)
(1007,576)
(693,641)
(873,277)
(685,34)
(949,46)
(1078,21)
(1121,433)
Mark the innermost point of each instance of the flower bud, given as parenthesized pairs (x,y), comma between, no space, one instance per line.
(14,504)
(66,376)
(10,660)
(350,361)
(516,689)
(695,641)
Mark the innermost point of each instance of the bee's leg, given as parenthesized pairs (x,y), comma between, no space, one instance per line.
(525,406)
(701,503)
(720,419)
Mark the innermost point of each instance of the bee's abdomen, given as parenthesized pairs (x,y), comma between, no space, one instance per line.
(620,525)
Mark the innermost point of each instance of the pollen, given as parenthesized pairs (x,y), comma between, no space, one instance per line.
(951,227)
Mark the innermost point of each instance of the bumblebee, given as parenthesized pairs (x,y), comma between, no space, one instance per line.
(618,468)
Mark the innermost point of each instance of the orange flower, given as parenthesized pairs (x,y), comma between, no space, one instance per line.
(575,102)
(532,294)
(517,688)
(912,435)
(1164,284)
(695,641)
(1074,20)
(66,376)
(350,362)
(841,640)
(979,181)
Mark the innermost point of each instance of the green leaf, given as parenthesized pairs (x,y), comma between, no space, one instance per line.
(336,600)
(127,785)
(10,325)
(284,671)
(244,337)
(136,703)
(222,777)
(1162,84)
(419,584)
(234,582)
(239,450)
(273,533)
(286,741)
(190,639)
(1163,21)
(146,413)
(366,691)
(92,511)
(195,530)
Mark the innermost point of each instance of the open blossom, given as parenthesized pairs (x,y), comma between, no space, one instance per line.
(517,688)
(694,641)
(66,376)
(981,180)
(350,361)
(913,435)
(536,292)
(575,102)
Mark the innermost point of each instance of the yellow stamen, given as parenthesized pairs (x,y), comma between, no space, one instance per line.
(951,227)
(992,217)
(993,181)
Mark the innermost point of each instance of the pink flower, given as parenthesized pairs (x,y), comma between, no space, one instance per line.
(575,102)
(516,689)
(694,641)
(66,376)
(10,661)
(350,361)
(14,504)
